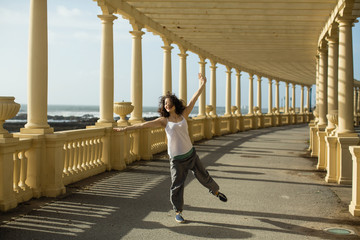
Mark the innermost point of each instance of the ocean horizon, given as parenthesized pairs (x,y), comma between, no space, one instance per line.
(56,112)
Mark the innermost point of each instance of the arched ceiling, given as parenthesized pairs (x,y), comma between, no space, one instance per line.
(274,39)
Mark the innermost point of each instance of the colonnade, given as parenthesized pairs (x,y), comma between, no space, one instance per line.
(332,132)
(37,111)
(48,153)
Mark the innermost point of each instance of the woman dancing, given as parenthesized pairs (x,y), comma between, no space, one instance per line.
(183,156)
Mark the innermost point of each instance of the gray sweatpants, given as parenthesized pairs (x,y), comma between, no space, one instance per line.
(179,170)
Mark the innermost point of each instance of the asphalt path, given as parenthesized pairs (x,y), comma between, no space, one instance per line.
(274,192)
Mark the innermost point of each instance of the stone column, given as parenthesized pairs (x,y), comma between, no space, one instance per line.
(322,105)
(202,98)
(213,87)
(308,98)
(228,92)
(345,76)
(107,72)
(355,100)
(270,97)
(323,67)
(286,98)
(251,94)
(358,100)
(259,93)
(167,87)
(332,80)
(317,83)
(37,70)
(136,75)
(182,75)
(238,92)
(293,96)
(346,135)
(302,100)
(354,206)
(277,95)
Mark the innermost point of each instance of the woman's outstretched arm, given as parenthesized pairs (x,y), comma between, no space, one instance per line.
(193,100)
(159,122)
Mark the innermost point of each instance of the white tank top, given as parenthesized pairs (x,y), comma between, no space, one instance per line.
(178,138)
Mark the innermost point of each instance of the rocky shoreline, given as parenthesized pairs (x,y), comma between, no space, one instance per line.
(59,123)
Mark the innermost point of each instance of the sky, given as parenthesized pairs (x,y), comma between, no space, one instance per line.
(74,40)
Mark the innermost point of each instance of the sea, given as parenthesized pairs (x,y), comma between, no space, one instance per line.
(70,113)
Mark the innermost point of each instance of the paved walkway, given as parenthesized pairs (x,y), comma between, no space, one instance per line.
(273,188)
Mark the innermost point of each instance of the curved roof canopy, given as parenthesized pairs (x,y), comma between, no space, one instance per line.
(274,39)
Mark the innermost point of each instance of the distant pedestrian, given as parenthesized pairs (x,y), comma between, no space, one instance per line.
(182,154)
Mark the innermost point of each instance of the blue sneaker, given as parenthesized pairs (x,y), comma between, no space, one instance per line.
(179,218)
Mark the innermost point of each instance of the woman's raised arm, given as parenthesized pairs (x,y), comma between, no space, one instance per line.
(193,100)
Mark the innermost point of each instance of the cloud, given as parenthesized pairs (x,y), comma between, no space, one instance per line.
(72,18)
(65,12)
(14,16)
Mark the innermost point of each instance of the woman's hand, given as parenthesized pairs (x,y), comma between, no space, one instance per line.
(119,129)
(202,79)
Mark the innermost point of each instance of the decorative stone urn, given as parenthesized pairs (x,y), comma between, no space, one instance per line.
(122,109)
(233,109)
(332,116)
(208,109)
(256,110)
(8,110)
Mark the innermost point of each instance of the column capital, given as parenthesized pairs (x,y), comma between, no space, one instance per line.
(202,59)
(202,62)
(213,63)
(259,78)
(346,20)
(183,55)
(270,81)
(238,72)
(107,18)
(136,34)
(333,33)
(167,48)
(228,69)
(323,51)
(136,25)
(182,49)
(167,42)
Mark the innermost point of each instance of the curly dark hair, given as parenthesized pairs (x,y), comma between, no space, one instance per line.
(179,105)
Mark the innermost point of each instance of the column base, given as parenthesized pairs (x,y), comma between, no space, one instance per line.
(105,124)
(354,209)
(36,130)
(331,158)
(8,204)
(54,192)
(345,163)
(345,181)
(330,179)
(322,149)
